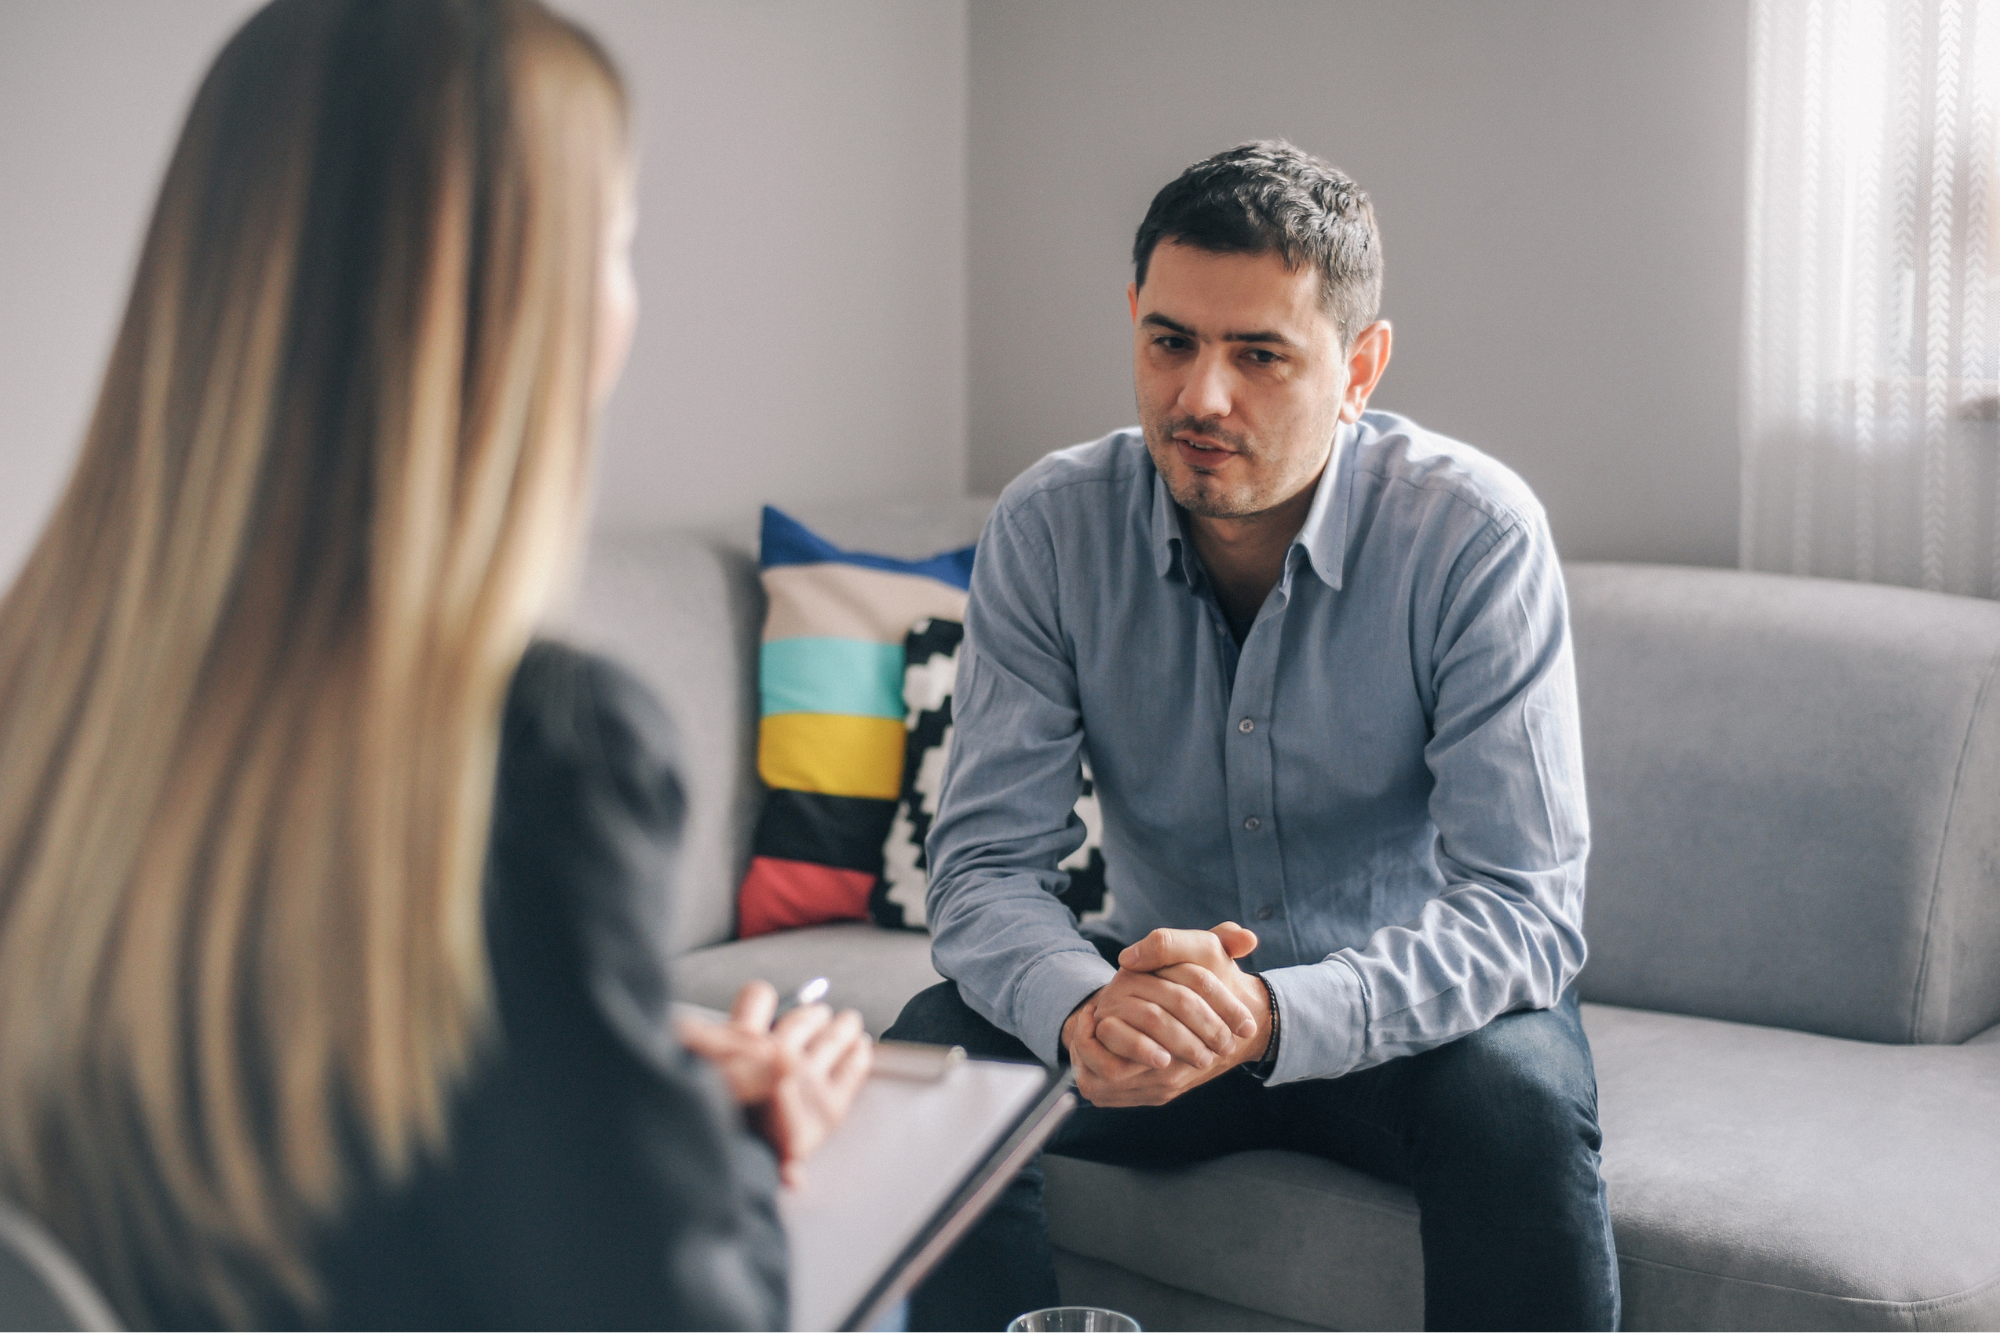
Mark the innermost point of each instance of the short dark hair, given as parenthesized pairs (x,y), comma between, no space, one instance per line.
(1269,196)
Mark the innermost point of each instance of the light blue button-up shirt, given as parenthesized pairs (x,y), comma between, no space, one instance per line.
(1384,782)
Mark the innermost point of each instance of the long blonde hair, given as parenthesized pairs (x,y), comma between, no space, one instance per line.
(251,675)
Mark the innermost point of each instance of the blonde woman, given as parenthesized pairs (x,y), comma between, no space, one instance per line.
(332,986)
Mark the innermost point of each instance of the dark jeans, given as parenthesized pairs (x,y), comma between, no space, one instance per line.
(1496,1133)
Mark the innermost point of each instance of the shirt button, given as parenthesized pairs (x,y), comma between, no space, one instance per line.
(1246,726)
(1253,823)
(1264,913)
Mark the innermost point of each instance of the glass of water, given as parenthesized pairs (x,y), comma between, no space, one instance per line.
(1074,1319)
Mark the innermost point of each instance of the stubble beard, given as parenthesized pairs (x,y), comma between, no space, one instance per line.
(1201,494)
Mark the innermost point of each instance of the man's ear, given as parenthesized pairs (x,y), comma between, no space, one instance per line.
(1366,360)
(1132,301)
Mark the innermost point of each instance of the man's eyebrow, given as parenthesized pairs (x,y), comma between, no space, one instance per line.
(1260,336)
(1255,336)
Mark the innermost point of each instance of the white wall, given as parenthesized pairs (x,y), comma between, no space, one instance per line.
(1559,185)
(875,229)
(800,256)
(91,99)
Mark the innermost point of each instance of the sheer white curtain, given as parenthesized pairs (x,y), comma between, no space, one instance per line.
(1871,331)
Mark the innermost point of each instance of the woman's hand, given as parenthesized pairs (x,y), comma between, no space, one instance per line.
(743,1050)
(830,1057)
(796,1079)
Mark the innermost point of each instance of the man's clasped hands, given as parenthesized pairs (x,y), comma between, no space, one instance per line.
(1178,1013)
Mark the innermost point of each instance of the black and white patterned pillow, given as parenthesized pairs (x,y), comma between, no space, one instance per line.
(930,656)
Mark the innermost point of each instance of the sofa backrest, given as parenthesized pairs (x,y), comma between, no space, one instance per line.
(1795,800)
(1794,783)
(685,611)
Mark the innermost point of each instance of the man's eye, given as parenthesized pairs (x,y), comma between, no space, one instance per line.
(1171,342)
(1264,358)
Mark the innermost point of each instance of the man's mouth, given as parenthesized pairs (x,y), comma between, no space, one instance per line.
(1201,453)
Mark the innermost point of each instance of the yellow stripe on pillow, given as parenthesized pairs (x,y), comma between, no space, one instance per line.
(837,601)
(833,753)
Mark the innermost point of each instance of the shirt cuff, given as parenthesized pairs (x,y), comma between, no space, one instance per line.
(1322,1020)
(1051,990)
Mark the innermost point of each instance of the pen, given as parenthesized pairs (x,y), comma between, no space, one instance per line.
(811,993)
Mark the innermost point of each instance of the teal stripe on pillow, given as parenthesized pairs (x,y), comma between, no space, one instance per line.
(847,676)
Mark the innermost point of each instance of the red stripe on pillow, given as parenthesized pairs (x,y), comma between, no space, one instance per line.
(783,895)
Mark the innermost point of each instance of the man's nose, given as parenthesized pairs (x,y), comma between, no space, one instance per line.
(1207,390)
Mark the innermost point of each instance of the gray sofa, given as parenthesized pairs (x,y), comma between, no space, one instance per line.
(1793,989)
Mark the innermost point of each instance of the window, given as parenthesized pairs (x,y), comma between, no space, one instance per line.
(1871,331)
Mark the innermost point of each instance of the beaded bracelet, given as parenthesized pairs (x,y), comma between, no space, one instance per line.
(1262,1068)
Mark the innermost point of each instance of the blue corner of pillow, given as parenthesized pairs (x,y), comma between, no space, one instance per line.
(786,541)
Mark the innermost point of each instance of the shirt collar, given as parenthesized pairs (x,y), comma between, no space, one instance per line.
(1323,537)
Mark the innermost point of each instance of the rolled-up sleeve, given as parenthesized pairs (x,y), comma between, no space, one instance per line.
(1512,832)
(1007,809)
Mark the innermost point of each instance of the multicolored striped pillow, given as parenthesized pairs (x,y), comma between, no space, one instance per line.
(831,742)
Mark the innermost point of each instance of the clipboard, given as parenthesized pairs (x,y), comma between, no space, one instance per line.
(909,1171)
(920,1157)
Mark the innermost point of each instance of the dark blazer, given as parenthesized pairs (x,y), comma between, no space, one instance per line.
(598,1174)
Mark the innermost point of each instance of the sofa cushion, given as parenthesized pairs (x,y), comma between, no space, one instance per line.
(1792,785)
(831,741)
(931,674)
(1271,1231)
(1762,1178)
(872,969)
(1759,1178)
(684,610)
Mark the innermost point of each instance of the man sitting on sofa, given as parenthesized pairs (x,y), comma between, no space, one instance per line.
(1319,659)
